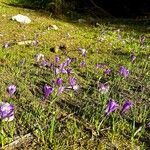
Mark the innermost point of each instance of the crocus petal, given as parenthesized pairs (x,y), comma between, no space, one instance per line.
(60,90)
(51,66)
(62,68)
(83,51)
(44,63)
(133,57)
(69,71)
(75,87)
(57,71)
(68,61)
(11,118)
(64,71)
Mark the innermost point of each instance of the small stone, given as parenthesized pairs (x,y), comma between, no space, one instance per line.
(81,20)
(1,35)
(21,19)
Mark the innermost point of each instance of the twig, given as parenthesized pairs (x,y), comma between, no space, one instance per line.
(17,143)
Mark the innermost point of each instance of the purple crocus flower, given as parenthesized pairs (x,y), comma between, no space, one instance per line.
(57,59)
(126,106)
(72,81)
(59,81)
(22,61)
(112,106)
(148,125)
(133,57)
(68,61)
(60,90)
(83,51)
(76,87)
(51,66)
(62,68)
(82,64)
(107,71)
(103,88)
(6,45)
(124,71)
(47,91)
(69,71)
(11,89)
(6,111)
(44,63)
(99,66)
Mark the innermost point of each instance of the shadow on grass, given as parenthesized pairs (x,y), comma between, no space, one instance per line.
(139,26)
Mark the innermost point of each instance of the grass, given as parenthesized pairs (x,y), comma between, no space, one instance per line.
(75,120)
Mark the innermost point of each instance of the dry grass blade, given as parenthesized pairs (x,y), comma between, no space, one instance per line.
(19,142)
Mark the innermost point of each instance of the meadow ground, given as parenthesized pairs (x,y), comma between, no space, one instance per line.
(107,61)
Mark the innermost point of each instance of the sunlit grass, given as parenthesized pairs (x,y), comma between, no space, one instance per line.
(75,120)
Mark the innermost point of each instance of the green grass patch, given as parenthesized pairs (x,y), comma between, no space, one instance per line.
(74,119)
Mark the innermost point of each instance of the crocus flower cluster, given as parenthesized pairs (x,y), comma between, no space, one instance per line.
(112,106)
(63,68)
